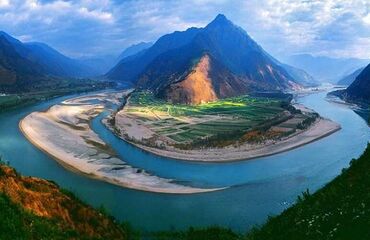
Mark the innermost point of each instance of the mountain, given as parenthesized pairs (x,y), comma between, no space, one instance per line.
(35,67)
(301,76)
(204,64)
(359,90)
(56,63)
(50,60)
(350,78)
(16,71)
(133,49)
(130,68)
(325,69)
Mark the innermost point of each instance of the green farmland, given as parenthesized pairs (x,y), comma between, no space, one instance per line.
(216,123)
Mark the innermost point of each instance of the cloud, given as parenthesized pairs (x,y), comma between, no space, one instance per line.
(338,28)
(4,3)
(94,14)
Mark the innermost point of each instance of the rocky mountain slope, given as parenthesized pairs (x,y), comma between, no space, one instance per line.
(33,208)
(221,56)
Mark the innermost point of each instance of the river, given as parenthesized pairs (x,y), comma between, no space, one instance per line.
(260,187)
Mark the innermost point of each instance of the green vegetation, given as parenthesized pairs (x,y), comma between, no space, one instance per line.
(340,210)
(13,100)
(17,223)
(55,213)
(211,233)
(220,123)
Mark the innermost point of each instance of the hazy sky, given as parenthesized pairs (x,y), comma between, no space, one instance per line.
(338,28)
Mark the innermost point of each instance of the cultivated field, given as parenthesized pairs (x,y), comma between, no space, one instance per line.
(215,124)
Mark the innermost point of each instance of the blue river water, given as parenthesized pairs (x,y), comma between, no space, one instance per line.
(260,187)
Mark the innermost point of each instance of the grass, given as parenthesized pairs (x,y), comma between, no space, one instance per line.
(16,223)
(340,210)
(194,125)
(67,218)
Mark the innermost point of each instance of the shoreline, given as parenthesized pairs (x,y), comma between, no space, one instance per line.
(84,164)
(216,156)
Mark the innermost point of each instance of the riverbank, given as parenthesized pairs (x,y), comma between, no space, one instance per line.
(320,129)
(63,131)
(283,177)
(133,132)
(16,100)
(34,208)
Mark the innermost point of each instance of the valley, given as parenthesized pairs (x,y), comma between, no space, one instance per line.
(168,120)
(289,173)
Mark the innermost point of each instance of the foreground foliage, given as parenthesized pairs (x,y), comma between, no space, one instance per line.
(214,233)
(33,208)
(340,210)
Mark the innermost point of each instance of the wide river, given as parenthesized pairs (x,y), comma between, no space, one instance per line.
(259,188)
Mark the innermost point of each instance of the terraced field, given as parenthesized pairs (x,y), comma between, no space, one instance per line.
(226,119)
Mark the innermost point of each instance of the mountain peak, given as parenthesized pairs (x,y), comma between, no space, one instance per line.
(220,19)
(221,22)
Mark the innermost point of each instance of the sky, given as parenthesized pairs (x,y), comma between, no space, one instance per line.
(335,28)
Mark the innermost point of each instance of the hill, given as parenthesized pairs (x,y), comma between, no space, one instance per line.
(359,90)
(350,78)
(204,64)
(33,208)
(337,211)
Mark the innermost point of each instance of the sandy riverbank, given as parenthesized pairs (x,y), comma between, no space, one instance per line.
(319,129)
(63,132)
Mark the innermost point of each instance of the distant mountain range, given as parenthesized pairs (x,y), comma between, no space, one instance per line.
(326,69)
(350,78)
(134,49)
(50,61)
(36,66)
(204,64)
(17,72)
